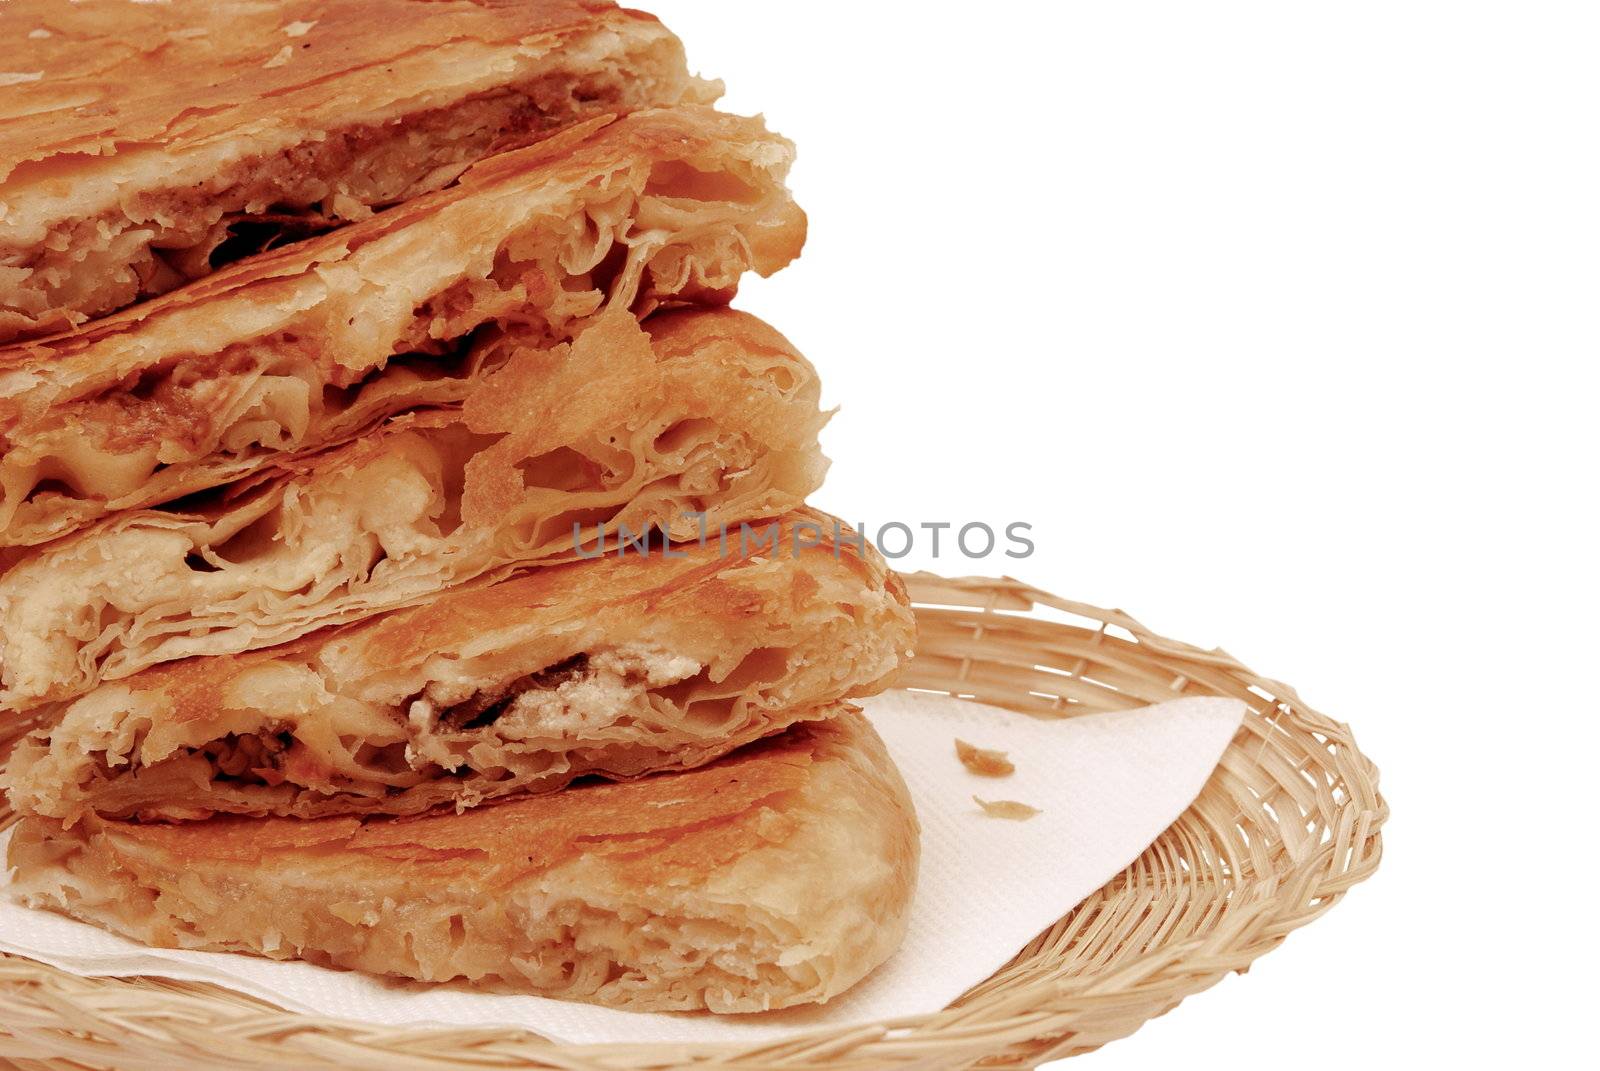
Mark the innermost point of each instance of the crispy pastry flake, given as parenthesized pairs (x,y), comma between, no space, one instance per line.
(1008,809)
(983,761)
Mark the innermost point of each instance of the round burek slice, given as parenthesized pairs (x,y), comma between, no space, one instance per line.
(779,875)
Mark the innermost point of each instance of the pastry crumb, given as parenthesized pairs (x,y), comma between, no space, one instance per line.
(983,761)
(1009,809)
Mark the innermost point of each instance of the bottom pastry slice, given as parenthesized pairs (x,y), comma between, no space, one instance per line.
(779,875)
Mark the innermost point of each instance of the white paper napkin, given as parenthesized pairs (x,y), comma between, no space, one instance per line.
(1106,784)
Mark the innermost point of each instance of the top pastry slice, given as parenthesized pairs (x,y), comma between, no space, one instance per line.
(144,145)
(313,344)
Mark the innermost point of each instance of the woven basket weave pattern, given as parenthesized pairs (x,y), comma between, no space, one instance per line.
(1287,824)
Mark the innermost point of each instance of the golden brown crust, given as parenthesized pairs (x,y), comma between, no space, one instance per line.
(132,132)
(607,431)
(297,349)
(780,875)
(180,74)
(620,666)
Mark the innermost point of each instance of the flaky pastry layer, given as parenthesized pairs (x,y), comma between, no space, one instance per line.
(711,413)
(619,666)
(146,145)
(306,347)
(778,876)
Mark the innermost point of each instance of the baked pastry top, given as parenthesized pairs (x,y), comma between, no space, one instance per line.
(623,665)
(710,412)
(313,344)
(779,875)
(144,145)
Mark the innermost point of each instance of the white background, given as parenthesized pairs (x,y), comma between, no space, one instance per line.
(1279,323)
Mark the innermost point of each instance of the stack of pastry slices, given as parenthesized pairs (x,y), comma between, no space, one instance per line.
(404,559)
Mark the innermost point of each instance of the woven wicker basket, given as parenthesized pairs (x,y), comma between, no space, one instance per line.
(1285,826)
